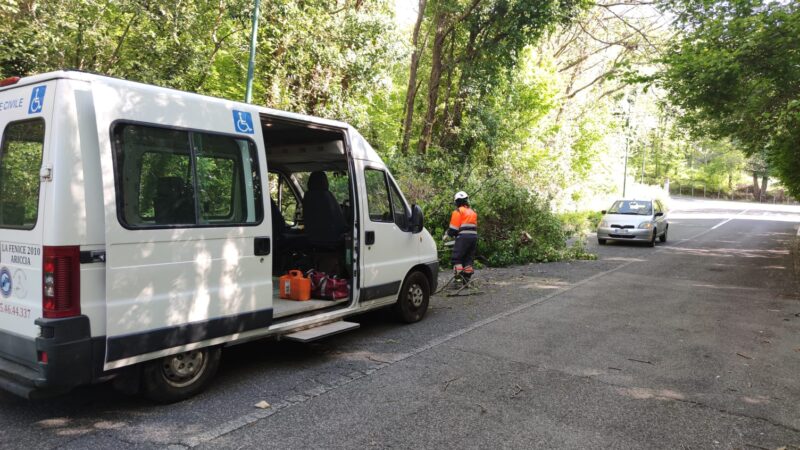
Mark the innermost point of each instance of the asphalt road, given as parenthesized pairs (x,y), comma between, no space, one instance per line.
(695,343)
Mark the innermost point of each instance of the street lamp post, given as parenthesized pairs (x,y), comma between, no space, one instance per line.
(625,171)
(248,95)
(627,113)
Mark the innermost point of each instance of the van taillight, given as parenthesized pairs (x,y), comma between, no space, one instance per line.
(61,282)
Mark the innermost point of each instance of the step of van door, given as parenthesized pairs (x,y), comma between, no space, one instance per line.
(312,334)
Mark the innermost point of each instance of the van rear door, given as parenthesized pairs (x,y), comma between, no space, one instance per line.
(187,231)
(25,119)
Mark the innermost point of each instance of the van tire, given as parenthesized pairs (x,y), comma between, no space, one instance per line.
(415,294)
(175,377)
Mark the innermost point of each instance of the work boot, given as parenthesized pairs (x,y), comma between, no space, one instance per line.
(458,280)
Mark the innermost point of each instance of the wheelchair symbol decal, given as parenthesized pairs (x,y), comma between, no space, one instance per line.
(37,100)
(243,122)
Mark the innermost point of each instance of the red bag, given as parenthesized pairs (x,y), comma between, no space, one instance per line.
(327,287)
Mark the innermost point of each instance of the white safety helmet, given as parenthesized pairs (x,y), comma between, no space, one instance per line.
(461,195)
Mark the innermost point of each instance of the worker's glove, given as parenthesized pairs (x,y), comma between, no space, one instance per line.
(446,237)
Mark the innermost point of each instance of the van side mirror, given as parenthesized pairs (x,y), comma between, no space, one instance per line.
(603,211)
(417,219)
(659,214)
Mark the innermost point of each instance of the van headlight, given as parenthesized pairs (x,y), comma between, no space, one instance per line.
(603,224)
(646,225)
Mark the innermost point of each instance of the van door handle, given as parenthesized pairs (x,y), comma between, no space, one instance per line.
(369,237)
(262,246)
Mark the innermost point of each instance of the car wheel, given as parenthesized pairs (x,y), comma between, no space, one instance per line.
(414,297)
(663,237)
(652,242)
(180,376)
(601,241)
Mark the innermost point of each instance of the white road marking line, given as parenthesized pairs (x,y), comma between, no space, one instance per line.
(728,219)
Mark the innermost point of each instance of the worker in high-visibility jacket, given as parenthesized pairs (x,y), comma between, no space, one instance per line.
(464,228)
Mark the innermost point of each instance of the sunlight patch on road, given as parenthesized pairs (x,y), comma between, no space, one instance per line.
(640,393)
(730,252)
(757,400)
(622,259)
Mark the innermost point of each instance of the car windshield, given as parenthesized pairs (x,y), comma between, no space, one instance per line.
(631,207)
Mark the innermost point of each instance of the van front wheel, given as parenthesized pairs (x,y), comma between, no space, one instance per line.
(180,376)
(414,297)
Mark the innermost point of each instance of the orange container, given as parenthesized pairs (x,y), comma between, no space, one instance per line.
(294,286)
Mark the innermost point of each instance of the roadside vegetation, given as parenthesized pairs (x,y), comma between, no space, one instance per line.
(530,106)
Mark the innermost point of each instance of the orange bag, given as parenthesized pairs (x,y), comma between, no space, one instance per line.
(294,286)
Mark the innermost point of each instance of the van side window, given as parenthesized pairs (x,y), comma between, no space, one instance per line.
(401,214)
(177,178)
(20,161)
(378,203)
(217,159)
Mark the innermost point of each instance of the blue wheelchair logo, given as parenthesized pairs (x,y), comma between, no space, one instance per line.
(37,100)
(243,122)
(5,282)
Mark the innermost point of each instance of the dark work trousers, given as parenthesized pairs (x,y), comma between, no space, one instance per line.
(464,249)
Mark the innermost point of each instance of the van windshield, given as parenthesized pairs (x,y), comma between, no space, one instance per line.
(20,161)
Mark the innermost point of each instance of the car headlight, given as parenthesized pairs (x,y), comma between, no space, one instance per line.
(603,224)
(646,225)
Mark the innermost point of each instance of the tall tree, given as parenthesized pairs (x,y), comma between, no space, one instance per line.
(472,45)
(411,91)
(735,71)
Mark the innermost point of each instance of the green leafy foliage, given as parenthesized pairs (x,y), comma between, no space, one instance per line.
(735,71)
(515,225)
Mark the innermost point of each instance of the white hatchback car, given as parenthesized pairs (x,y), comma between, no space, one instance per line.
(634,220)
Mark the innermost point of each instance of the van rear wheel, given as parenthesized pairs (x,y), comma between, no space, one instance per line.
(180,376)
(415,294)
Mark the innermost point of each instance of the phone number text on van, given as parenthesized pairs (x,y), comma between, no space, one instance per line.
(16,311)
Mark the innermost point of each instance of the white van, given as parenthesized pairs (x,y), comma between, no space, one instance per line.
(143,228)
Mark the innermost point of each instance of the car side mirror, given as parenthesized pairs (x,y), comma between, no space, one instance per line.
(417,219)
(603,211)
(659,214)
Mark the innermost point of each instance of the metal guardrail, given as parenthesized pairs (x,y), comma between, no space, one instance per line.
(700,191)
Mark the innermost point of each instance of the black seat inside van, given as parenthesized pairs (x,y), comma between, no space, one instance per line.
(322,216)
(172,205)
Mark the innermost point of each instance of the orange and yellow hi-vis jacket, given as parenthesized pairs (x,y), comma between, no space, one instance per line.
(464,220)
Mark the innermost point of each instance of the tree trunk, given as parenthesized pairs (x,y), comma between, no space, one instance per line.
(454,121)
(441,126)
(411,93)
(756,190)
(764,181)
(433,81)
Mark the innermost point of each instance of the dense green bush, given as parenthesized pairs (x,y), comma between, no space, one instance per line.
(515,225)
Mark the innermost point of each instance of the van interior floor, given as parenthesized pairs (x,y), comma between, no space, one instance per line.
(284,308)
